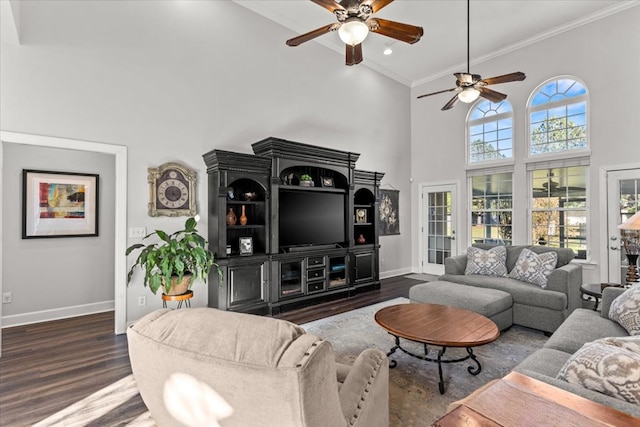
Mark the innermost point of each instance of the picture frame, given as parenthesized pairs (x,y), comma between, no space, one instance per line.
(59,204)
(326,181)
(246,246)
(389,223)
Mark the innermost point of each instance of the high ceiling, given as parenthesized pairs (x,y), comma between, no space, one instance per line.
(497,27)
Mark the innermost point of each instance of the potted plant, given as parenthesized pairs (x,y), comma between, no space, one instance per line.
(175,261)
(306,180)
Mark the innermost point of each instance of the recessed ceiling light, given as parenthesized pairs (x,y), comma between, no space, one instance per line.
(387,51)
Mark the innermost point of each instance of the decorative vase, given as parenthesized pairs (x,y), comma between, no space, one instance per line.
(231,217)
(361,239)
(243,217)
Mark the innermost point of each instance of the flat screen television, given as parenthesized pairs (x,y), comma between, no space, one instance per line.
(311,218)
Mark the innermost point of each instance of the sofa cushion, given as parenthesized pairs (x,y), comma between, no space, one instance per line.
(565,255)
(533,268)
(545,361)
(521,292)
(513,252)
(222,334)
(610,366)
(625,310)
(583,325)
(490,262)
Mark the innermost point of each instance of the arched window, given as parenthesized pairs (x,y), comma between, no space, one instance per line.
(558,165)
(558,117)
(490,132)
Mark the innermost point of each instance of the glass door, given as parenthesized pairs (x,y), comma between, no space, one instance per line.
(623,193)
(438,228)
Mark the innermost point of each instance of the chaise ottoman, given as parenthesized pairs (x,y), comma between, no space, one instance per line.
(492,303)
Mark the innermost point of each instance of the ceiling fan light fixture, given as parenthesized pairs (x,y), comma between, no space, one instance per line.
(353,31)
(468,95)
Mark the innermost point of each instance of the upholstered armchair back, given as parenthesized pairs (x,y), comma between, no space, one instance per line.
(268,370)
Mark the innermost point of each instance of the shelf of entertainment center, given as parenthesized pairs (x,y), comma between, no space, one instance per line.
(244,227)
(321,189)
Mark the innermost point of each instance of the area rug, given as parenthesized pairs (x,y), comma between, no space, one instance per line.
(414,399)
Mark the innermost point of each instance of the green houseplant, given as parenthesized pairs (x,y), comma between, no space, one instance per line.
(306,180)
(178,258)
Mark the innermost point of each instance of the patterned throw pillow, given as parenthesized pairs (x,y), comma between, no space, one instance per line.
(625,310)
(491,262)
(534,268)
(609,365)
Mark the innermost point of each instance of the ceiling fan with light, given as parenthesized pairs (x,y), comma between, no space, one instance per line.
(355,21)
(471,86)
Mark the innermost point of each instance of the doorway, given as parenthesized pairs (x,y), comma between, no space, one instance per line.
(623,200)
(119,209)
(438,225)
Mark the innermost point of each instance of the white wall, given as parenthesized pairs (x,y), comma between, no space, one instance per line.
(604,54)
(161,79)
(55,277)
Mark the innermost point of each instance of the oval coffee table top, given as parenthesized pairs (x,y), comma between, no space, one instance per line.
(437,324)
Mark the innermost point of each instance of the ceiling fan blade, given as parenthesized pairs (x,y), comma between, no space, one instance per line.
(396,30)
(449,105)
(296,41)
(354,54)
(330,5)
(438,92)
(491,95)
(376,5)
(512,77)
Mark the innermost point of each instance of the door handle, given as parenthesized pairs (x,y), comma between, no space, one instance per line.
(613,248)
(613,238)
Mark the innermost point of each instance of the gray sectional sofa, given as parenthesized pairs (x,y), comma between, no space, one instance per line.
(580,327)
(533,307)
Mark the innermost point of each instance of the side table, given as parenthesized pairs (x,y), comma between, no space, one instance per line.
(185,297)
(595,290)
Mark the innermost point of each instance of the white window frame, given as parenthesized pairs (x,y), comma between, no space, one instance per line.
(561,154)
(492,118)
(485,172)
(583,161)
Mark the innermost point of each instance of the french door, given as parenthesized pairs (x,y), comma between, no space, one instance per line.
(437,226)
(623,200)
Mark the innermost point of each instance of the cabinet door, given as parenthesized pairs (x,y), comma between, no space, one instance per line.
(364,267)
(246,285)
(290,278)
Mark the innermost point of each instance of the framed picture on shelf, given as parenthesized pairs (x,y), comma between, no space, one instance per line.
(59,204)
(326,181)
(246,246)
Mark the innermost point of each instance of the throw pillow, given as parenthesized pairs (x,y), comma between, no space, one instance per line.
(491,262)
(534,268)
(607,368)
(625,310)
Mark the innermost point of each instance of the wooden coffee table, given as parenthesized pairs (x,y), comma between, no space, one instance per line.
(438,325)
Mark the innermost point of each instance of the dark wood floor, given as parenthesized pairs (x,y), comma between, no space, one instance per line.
(46,367)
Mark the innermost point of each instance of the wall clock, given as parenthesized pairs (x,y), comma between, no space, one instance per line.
(361,215)
(172,190)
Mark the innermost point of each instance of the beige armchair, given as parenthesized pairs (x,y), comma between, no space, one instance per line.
(269,371)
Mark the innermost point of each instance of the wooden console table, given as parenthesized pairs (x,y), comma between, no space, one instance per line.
(519,400)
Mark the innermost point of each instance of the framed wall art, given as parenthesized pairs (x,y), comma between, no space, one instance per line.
(388,212)
(59,204)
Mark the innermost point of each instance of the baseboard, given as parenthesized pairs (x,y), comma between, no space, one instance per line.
(56,314)
(394,273)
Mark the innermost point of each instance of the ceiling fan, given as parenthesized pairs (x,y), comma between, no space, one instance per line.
(354,23)
(471,86)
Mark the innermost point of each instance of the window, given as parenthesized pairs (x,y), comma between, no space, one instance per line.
(558,117)
(492,208)
(490,127)
(559,208)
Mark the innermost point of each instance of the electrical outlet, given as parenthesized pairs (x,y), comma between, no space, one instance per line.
(142,300)
(7,297)
(137,232)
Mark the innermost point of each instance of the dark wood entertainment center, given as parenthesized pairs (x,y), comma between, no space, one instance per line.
(299,242)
